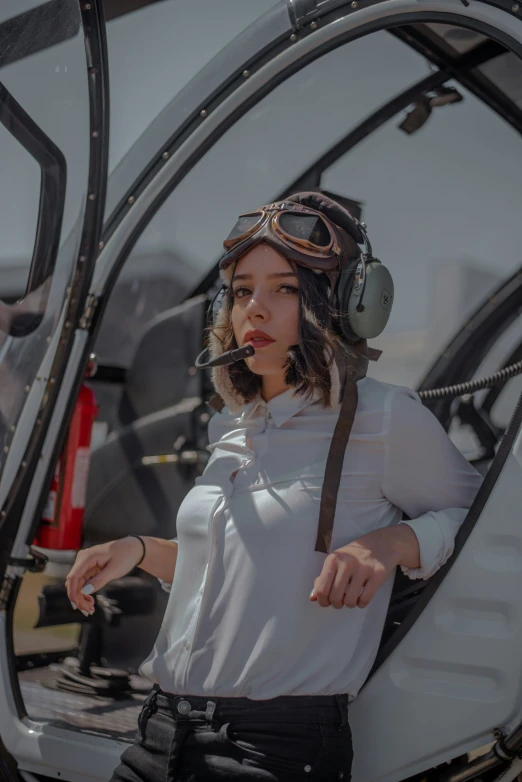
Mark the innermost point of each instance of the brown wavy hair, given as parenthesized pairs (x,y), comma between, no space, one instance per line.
(307,367)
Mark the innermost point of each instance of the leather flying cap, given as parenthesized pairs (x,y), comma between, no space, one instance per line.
(338,239)
(334,211)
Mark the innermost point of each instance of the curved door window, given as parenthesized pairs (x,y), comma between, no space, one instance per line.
(251,164)
(44,138)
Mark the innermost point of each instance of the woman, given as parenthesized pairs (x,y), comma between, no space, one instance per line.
(252,672)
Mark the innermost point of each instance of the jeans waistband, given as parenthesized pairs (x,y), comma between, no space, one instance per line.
(295,708)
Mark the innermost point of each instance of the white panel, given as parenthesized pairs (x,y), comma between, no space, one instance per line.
(457,674)
(55,752)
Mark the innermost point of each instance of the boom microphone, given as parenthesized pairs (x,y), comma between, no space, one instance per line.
(225,358)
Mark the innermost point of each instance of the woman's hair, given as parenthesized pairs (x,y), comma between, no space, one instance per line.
(307,367)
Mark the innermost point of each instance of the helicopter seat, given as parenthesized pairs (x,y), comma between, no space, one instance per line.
(133,487)
(162,371)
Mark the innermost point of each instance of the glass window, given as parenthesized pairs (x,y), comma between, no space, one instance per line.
(457,40)
(440,203)
(257,159)
(441,206)
(44,86)
(506,73)
(18,235)
(495,405)
(506,350)
(156,50)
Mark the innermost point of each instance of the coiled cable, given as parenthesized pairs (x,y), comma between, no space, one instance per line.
(472,386)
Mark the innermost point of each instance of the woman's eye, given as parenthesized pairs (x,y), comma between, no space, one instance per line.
(241,291)
(237,292)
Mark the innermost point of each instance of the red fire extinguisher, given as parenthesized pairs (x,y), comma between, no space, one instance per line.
(62,519)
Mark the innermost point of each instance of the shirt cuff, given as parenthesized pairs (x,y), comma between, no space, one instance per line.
(165,585)
(435,532)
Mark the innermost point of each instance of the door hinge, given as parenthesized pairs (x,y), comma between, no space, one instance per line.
(34,563)
(88,313)
(6,587)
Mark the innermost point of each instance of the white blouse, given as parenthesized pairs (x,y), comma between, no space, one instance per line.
(239,621)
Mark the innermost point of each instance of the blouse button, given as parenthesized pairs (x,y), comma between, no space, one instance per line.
(307,768)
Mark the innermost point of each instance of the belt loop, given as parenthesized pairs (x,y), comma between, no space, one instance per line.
(148,709)
(342,702)
(209,713)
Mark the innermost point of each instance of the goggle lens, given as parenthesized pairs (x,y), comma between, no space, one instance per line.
(244,224)
(308,228)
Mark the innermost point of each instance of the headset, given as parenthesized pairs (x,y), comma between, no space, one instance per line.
(364,294)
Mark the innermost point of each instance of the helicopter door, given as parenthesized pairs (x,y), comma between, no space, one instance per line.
(427,680)
(53,137)
(52,143)
(208,113)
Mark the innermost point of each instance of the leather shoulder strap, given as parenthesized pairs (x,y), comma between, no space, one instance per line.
(334,466)
(216,402)
(356,365)
(355,369)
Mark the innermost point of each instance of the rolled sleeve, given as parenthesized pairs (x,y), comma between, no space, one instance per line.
(436,533)
(428,478)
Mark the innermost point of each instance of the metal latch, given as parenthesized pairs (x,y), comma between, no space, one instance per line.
(34,563)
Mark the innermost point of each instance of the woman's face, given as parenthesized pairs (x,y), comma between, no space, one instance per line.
(265,299)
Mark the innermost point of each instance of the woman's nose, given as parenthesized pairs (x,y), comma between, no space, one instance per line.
(257,306)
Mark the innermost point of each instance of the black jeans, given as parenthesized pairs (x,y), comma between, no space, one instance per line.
(184,738)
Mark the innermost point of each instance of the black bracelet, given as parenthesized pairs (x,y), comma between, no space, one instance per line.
(144,549)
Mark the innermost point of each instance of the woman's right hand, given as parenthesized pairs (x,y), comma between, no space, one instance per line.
(97,566)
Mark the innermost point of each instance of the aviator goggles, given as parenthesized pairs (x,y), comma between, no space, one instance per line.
(298,232)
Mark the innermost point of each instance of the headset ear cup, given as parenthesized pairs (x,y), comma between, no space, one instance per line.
(340,302)
(376,296)
(377,301)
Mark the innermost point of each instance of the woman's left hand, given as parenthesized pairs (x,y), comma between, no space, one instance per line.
(352,574)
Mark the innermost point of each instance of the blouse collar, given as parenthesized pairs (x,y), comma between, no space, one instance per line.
(281,407)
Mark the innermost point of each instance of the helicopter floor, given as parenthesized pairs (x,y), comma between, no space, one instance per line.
(96,715)
(106,717)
